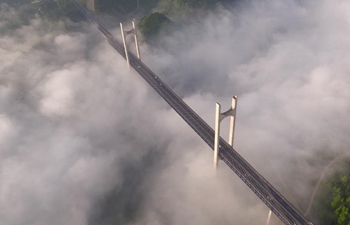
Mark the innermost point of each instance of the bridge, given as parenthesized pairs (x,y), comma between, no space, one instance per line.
(274,200)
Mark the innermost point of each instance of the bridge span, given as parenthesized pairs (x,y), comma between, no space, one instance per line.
(274,200)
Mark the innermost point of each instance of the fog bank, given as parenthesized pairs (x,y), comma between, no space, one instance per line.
(84,141)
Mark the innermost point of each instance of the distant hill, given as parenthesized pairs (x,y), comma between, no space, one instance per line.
(124,7)
(152,24)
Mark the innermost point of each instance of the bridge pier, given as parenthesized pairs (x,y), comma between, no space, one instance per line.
(125,48)
(268,218)
(136,40)
(124,35)
(283,209)
(218,118)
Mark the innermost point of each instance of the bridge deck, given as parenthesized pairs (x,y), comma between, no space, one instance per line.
(283,209)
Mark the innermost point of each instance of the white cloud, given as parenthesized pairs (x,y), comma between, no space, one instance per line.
(84,139)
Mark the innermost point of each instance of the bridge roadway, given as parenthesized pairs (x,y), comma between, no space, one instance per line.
(282,208)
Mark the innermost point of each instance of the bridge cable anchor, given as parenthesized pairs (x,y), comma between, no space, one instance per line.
(218,118)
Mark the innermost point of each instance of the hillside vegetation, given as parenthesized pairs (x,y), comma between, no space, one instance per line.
(154,13)
(124,7)
(152,24)
(333,204)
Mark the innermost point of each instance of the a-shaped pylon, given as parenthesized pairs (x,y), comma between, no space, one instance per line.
(126,33)
(218,118)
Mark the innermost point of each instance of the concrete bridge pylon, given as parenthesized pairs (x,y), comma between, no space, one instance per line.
(231,112)
(125,33)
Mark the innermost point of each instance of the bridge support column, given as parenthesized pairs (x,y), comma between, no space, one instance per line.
(217,135)
(268,218)
(136,40)
(233,119)
(218,118)
(124,35)
(125,48)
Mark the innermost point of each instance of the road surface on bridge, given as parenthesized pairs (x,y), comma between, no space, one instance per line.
(282,208)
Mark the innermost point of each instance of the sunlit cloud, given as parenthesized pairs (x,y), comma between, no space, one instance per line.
(85,141)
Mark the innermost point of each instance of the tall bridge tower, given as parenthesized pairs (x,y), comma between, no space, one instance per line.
(268,194)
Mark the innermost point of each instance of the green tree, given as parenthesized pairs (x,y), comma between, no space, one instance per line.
(196,3)
(67,9)
(49,10)
(57,9)
(152,24)
(176,6)
(341,200)
(123,7)
(117,6)
(333,203)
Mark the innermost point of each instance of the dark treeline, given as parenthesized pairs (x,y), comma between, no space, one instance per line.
(332,206)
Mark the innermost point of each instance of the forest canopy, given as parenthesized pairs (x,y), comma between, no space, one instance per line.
(333,204)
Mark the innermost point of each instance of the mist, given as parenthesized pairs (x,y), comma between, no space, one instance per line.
(85,141)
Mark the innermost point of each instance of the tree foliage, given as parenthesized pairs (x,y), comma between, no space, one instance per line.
(119,6)
(152,24)
(57,9)
(123,7)
(49,10)
(196,3)
(341,200)
(333,206)
(176,6)
(68,9)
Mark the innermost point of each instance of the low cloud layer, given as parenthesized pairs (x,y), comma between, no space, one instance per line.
(84,141)
(287,62)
